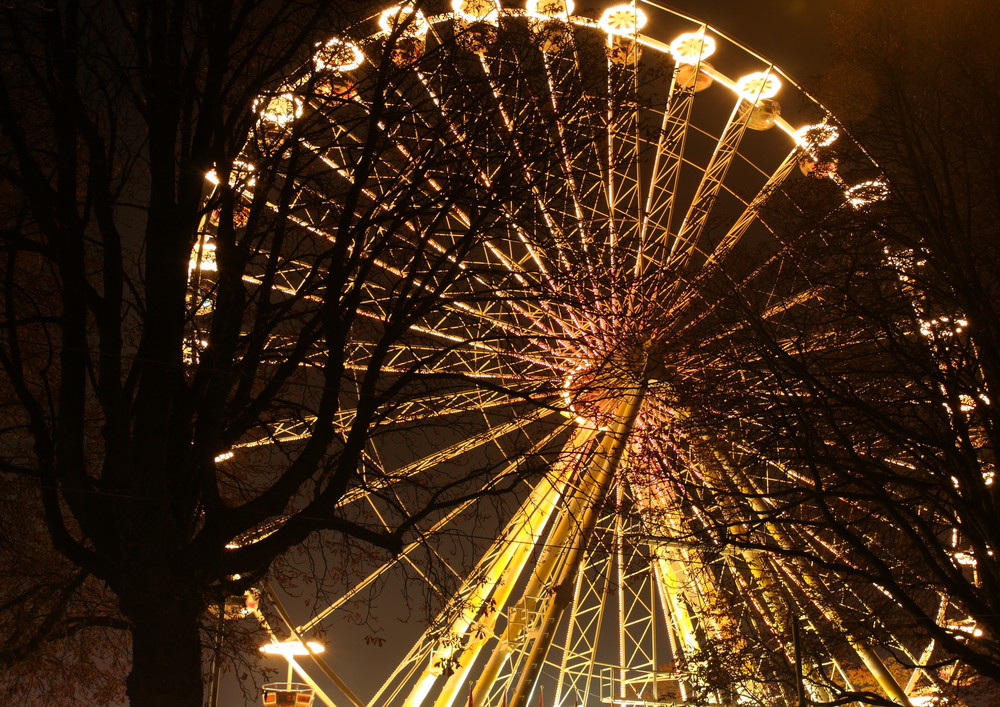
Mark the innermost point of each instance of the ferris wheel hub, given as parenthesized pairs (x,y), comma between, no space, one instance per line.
(593,391)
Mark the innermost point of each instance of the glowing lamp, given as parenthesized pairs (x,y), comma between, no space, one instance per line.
(865,193)
(692,47)
(280,110)
(203,258)
(290,649)
(412,22)
(758,86)
(622,19)
(813,136)
(338,55)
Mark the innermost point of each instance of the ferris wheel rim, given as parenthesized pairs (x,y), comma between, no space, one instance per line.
(752,90)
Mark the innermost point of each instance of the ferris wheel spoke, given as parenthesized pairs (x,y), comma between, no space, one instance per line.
(690,230)
(665,176)
(386,479)
(579,668)
(512,119)
(518,254)
(575,163)
(626,151)
(497,259)
(551,233)
(535,256)
(436,406)
(717,255)
(492,581)
(291,280)
(512,263)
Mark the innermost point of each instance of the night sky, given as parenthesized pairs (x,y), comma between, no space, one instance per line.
(794,34)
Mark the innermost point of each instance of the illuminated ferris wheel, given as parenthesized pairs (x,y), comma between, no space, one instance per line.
(614,174)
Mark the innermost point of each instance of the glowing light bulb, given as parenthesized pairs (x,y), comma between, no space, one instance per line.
(338,55)
(813,136)
(280,110)
(412,21)
(865,193)
(292,648)
(622,19)
(692,47)
(758,86)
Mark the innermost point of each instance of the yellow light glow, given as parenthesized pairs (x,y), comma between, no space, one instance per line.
(964,558)
(550,9)
(413,21)
(813,136)
(203,257)
(292,648)
(692,47)
(758,86)
(280,110)
(965,628)
(622,19)
(241,173)
(867,193)
(338,55)
(572,411)
(476,10)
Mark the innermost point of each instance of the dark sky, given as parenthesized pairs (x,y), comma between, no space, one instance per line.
(794,34)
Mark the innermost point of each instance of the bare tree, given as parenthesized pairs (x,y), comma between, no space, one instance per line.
(867,464)
(204,373)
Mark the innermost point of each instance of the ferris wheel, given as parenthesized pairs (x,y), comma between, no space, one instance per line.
(581,190)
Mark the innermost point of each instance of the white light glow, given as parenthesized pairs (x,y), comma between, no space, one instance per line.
(292,648)
(203,258)
(240,174)
(414,23)
(338,55)
(813,136)
(758,86)
(280,110)
(966,628)
(942,326)
(964,558)
(692,47)
(867,193)
(224,456)
(622,19)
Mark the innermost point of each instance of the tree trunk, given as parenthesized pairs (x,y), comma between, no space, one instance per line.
(166,649)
